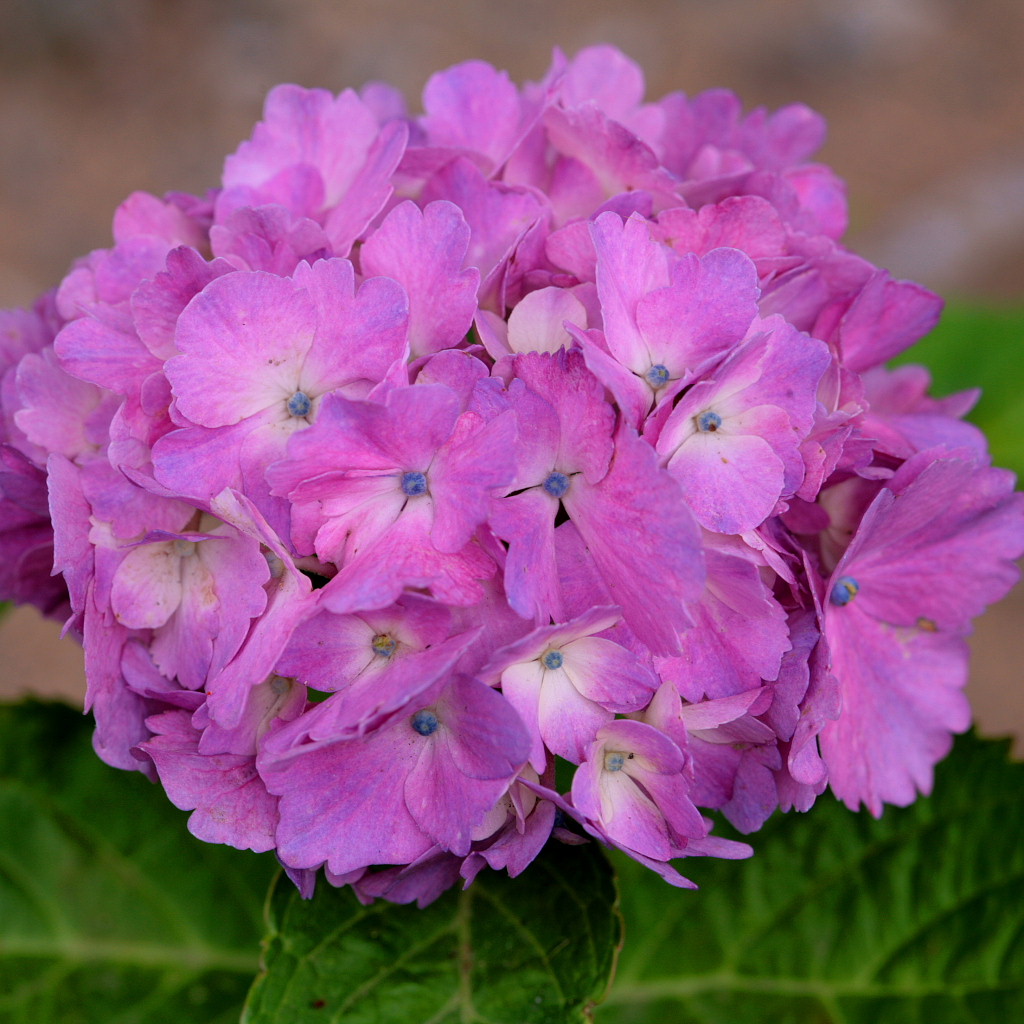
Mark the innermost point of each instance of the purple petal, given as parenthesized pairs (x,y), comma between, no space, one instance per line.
(902,701)
(424,252)
(229,801)
(243,339)
(643,541)
(342,803)
(937,543)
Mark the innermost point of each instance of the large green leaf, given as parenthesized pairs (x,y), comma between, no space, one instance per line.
(538,949)
(110,912)
(978,347)
(916,918)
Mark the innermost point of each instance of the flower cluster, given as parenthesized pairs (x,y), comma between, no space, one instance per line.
(530,467)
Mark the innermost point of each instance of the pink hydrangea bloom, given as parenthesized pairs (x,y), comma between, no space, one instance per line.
(547,429)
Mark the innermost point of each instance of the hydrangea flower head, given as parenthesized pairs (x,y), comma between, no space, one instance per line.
(526,470)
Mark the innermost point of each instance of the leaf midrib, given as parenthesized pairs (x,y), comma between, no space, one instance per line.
(681,988)
(91,951)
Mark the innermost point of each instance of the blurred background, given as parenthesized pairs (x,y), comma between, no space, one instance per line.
(925,101)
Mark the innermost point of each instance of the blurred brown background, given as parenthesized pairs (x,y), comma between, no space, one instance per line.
(925,99)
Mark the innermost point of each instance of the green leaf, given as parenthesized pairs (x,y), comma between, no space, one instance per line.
(110,912)
(537,949)
(978,347)
(916,918)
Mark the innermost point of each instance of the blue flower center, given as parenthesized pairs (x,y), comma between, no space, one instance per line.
(844,590)
(384,645)
(552,659)
(556,484)
(299,404)
(615,760)
(425,722)
(414,483)
(657,376)
(708,422)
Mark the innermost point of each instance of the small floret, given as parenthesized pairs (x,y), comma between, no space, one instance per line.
(708,421)
(657,376)
(556,484)
(844,590)
(425,722)
(615,760)
(552,660)
(384,644)
(414,484)
(299,404)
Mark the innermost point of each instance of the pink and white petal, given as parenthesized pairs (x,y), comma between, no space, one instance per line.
(568,720)
(499,215)
(537,434)
(530,644)
(120,713)
(354,514)
(183,648)
(69,511)
(58,412)
(739,636)
(158,302)
(606,76)
(670,793)
(754,796)
(329,652)
(147,586)
(200,462)
(730,482)
(276,699)
(886,317)
(332,136)
(607,673)
(422,881)
(468,763)
(633,396)
(521,685)
(628,815)
(710,714)
(536,322)
(515,850)
(235,568)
